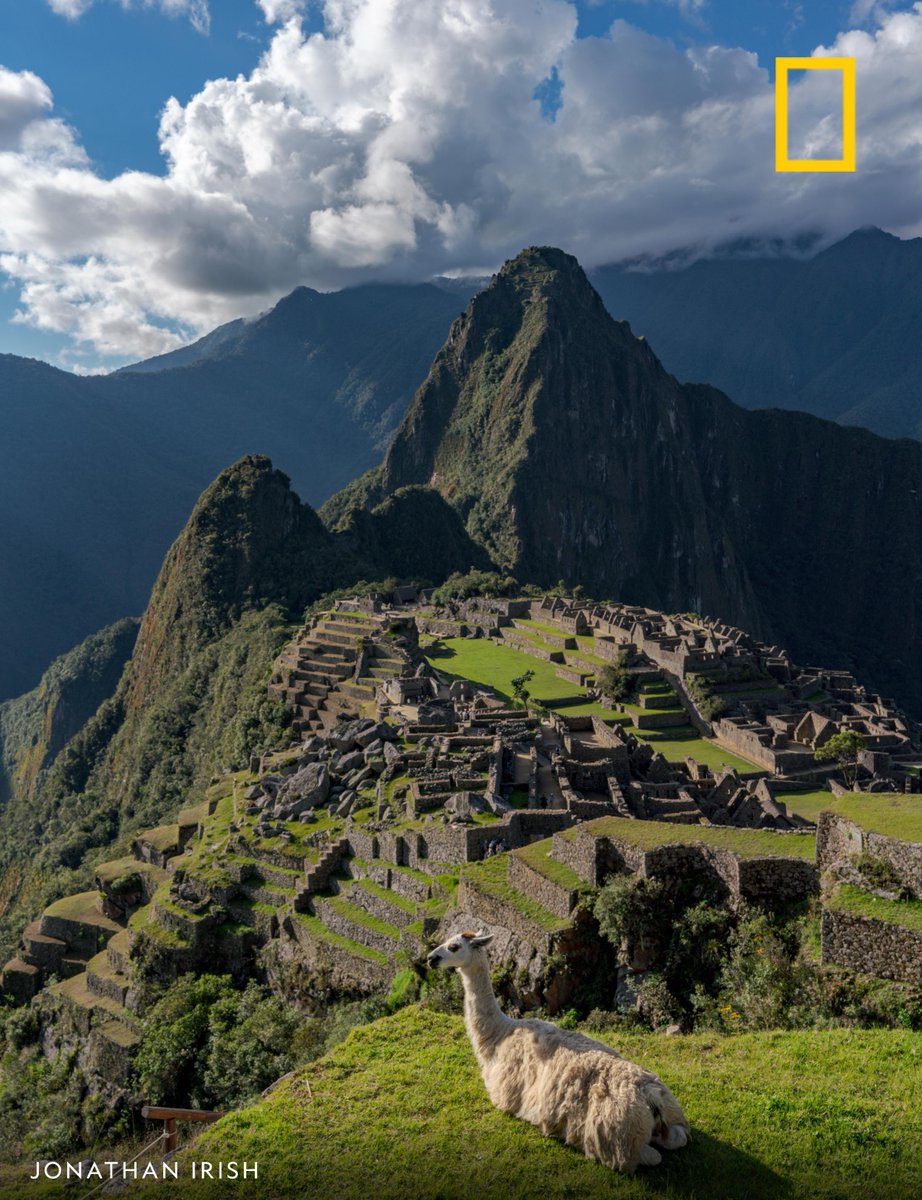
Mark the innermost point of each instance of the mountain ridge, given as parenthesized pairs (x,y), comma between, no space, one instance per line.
(101,472)
(571,453)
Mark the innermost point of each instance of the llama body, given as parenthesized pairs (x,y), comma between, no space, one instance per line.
(569,1085)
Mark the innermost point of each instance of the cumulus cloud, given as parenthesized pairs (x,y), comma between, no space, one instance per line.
(276,11)
(406,140)
(196,10)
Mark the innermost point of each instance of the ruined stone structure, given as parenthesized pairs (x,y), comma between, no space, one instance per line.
(872,914)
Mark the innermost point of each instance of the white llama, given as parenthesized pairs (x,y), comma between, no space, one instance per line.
(569,1085)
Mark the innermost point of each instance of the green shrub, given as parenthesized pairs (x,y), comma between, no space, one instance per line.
(488,584)
(207,1045)
(708,703)
(614,681)
(878,873)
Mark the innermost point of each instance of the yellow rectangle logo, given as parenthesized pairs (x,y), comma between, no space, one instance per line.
(847,161)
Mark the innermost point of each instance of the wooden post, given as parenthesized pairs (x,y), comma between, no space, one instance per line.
(169,1117)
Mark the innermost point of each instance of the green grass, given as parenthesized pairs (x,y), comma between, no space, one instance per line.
(806,804)
(490,877)
(82,907)
(360,916)
(747,843)
(124,868)
(412,872)
(897,816)
(542,627)
(164,837)
(319,930)
(703,750)
(906,913)
(399,1110)
(196,815)
(537,856)
(483,661)
(591,708)
(386,894)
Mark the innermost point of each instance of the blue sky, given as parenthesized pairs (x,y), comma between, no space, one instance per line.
(113,68)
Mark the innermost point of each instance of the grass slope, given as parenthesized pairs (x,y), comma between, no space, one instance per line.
(894,815)
(399,1110)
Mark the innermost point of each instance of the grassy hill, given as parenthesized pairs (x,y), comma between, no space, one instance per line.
(399,1110)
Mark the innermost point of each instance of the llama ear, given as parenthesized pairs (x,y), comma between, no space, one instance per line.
(481,939)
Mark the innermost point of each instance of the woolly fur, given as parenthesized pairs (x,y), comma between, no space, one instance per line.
(569,1085)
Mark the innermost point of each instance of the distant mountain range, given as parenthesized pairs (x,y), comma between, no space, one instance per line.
(100,473)
(838,335)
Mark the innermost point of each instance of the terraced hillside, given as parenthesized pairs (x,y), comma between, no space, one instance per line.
(333,666)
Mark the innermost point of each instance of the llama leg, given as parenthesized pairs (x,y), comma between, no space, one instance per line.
(675,1139)
(650,1157)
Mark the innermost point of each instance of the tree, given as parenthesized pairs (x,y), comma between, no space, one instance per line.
(519,687)
(844,747)
(613,682)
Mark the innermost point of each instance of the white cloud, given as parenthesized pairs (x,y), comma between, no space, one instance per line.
(277,11)
(690,9)
(405,141)
(196,10)
(869,12)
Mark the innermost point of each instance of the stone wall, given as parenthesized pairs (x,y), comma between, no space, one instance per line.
(563,641)
(614,652)
(581,855)
(754,879)
(492,911)
(744,741)
(870,946)
(763,879)
(838,839)
(528,646)
(550,895)
(300,949)
(571,676)
(363,844)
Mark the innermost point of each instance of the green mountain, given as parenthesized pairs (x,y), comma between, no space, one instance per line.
(100,473)
(99,751)
(35,727)
(570,453)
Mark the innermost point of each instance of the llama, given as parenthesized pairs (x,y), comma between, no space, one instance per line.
(569,1085)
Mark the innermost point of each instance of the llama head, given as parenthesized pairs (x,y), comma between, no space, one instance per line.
(459,950)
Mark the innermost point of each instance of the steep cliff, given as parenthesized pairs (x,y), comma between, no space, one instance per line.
(571,453)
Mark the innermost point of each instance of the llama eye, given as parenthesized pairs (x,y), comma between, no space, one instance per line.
(455,947)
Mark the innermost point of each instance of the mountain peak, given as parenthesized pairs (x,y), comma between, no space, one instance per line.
(534,263)
(249,540)
(544,273)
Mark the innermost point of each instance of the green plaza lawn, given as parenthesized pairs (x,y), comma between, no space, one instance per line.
(495,665)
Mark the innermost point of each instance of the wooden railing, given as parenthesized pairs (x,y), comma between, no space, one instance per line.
(169,1117)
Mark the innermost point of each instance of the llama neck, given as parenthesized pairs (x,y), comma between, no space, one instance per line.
(486,1024)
